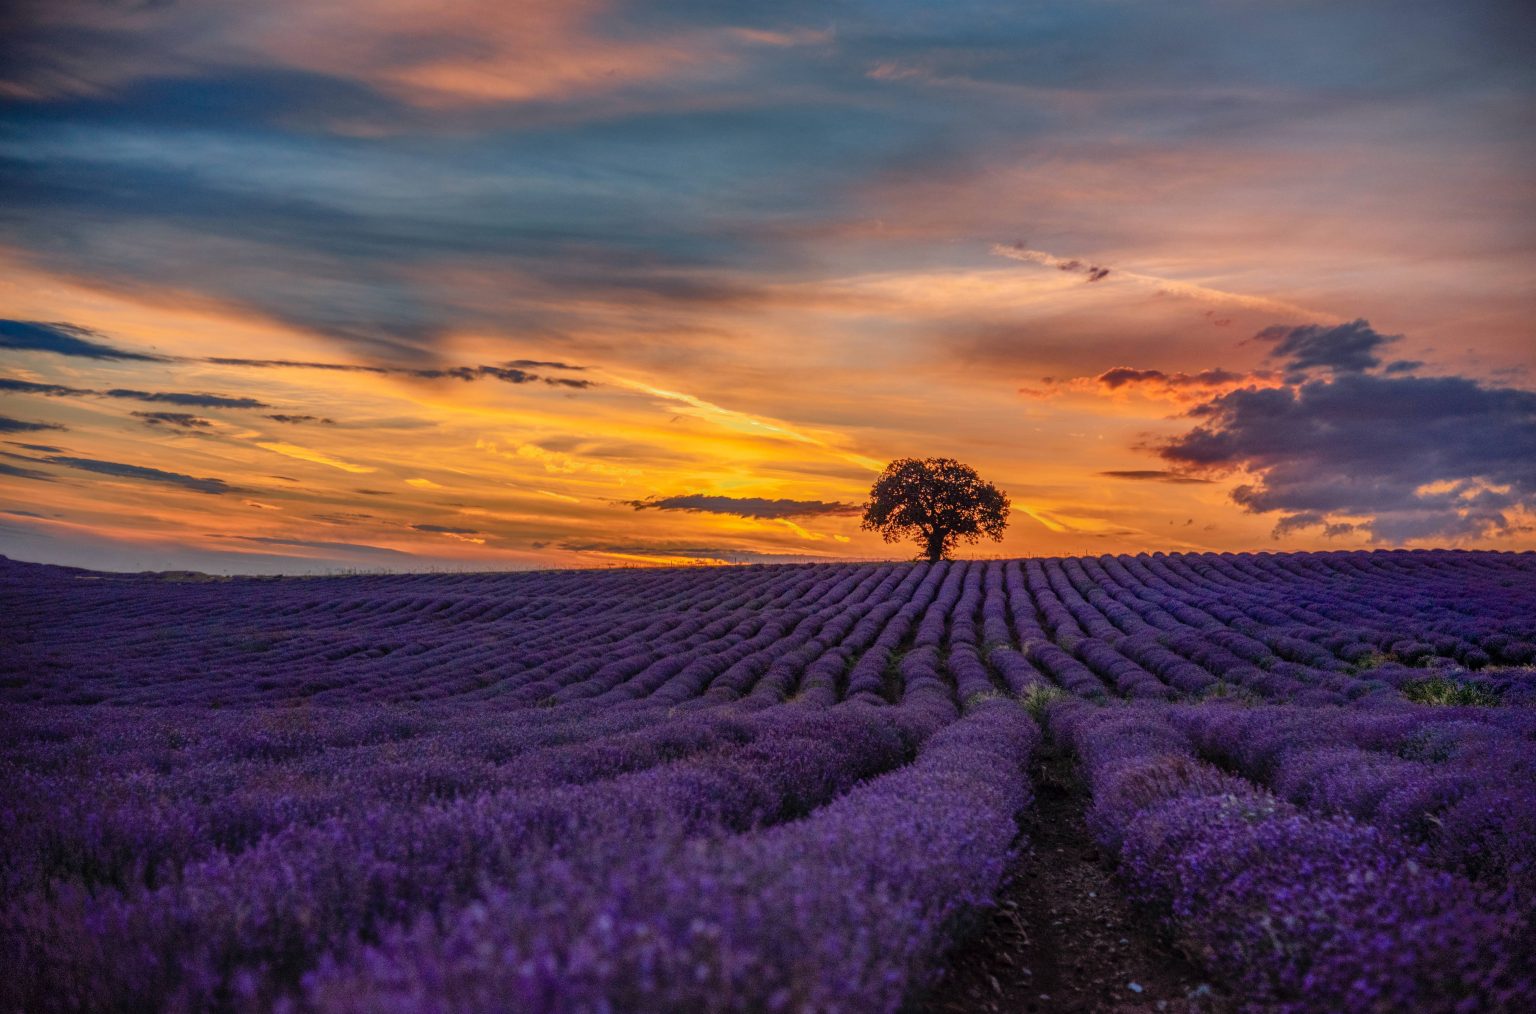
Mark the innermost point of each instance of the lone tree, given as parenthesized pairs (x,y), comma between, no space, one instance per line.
(935,502)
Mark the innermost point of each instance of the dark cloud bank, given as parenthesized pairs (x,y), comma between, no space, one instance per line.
(1352,442)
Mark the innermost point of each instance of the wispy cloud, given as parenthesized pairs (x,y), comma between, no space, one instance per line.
(187,399)
(1175,385)
(178,420)
(1185,290)
(15,386)
(183,398)
(453,532)
(22,472)
(745,422)
(77,341)
(318,544)
(310,454)
(1154,475)
(9,425)
(510,373)
(746,507)
(1120,376)
(677,552)
(299,420)
(65,340)
(119,470)
(1019,252)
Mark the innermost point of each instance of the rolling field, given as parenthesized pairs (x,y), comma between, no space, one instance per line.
(1300,782)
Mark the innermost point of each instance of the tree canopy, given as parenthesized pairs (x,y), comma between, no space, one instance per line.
(937,503)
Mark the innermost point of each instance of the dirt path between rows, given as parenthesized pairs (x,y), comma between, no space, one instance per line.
(1063,938)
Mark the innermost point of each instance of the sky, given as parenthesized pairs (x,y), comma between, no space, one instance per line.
(316,285)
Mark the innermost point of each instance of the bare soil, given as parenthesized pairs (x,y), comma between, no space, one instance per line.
(1063,938)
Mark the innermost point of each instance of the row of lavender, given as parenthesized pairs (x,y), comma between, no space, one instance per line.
(1319,859)
(679,882)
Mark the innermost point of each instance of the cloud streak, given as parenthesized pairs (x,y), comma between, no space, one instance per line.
(745,507)
(452,532)
(15,386)
(9,425)
(312,455)
(142,473)
(299,420)
(77,341)
(1122,376)
(176,420)
(65,340)
(1154,475)
(22,472)
(1175,385)
(662,552)
(509,373)
(183,398)
(1185,290)
(320,544)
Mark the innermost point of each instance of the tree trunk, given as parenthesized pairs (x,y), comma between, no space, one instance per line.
(935,546)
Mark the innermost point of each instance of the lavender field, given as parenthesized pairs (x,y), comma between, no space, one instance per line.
(1312,777)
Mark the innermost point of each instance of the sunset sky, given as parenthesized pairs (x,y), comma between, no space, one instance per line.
(307,285)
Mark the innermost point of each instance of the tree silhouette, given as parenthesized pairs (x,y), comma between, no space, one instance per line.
(935,502)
